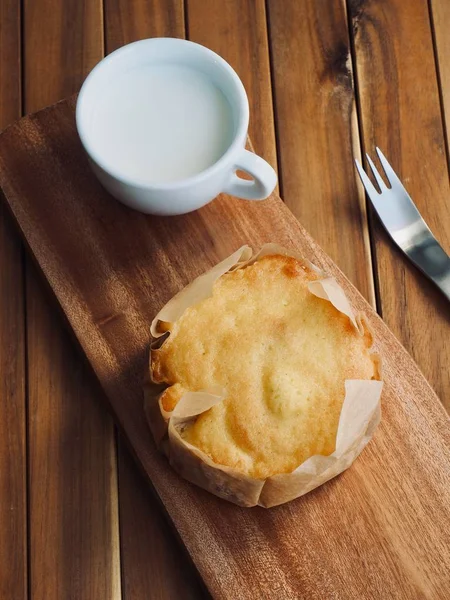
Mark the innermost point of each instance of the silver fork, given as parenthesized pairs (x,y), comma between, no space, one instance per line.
(403,222)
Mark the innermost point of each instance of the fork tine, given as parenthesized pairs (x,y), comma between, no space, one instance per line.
(370,188)
(377,176)
(390,173)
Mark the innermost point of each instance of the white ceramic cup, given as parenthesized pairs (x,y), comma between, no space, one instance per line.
(193,192)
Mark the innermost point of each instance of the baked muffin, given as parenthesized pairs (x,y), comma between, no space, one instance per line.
(281,353)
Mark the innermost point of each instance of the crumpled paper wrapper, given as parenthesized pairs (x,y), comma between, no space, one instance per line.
(360,415)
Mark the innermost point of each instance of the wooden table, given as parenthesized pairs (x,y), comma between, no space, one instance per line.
(77,520)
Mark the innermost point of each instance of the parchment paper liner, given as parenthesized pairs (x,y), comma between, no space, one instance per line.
(359,417)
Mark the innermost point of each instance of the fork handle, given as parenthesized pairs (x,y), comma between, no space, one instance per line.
(434,262)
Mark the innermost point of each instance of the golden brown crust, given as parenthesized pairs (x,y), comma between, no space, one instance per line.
(171,396)
(282,354)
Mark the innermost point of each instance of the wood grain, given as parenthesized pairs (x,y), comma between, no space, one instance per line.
(153,563)
(394,51)
(440,21)
(237,30)
(74,541)
(73,510)
(381,530)
(125,23)
(63,41)
(13,518)
(318,132)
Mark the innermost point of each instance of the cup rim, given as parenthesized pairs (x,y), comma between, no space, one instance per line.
(236,143)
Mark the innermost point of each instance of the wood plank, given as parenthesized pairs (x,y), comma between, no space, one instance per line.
(146,18)
(74,533)
(13,493)
(74,545)
(378,531)
(318,132)
(440,21)
(400,113)
(63,41)
(237,30)
(154,565)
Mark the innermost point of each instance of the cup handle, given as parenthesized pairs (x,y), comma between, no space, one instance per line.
(264,178)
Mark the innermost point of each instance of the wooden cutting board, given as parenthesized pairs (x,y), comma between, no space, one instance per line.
(380,530)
